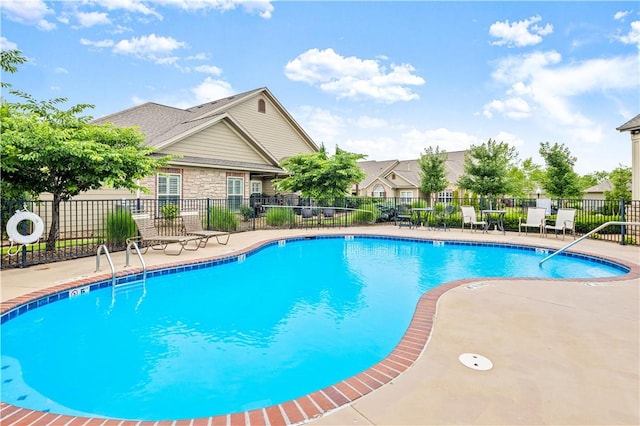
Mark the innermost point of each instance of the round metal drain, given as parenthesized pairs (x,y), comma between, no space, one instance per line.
(475,361)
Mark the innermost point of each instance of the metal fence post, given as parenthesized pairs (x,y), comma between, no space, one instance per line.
(208,213)
(623,229)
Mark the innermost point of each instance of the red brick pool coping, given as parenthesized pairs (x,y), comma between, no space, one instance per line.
(302,409)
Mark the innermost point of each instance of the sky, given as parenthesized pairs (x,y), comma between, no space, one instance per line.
(386,79)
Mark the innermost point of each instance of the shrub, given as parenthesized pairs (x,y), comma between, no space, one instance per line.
(366,214)
(120,226)
(222,219)
(419,204)
(279,216)
(170,211)
(246,212)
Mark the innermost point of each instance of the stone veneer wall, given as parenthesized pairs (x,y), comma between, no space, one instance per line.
(199,183)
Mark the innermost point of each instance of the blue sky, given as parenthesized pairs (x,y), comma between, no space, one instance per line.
(386,79)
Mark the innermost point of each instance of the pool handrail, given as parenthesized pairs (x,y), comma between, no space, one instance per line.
(131,243)
(104,248)
(571,244)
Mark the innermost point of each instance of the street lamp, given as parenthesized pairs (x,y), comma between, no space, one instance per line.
(538,192)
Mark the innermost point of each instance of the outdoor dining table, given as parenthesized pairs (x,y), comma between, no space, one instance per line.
(422,215)
(495,218)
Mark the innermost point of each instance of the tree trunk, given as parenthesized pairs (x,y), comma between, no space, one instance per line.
(55,220)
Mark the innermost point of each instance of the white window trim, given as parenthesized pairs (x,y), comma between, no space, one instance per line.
(256,182)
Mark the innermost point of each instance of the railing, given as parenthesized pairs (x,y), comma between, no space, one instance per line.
(573,243)
(113,269)
(85,225)
(128,254)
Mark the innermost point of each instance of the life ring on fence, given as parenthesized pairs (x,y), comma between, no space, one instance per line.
(12,227)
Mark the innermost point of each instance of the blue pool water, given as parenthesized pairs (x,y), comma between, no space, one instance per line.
(277,324)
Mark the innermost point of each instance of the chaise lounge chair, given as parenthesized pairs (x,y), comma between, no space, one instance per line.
(565,222)
(149,236)
(535,219)
(193,226)
(469,217)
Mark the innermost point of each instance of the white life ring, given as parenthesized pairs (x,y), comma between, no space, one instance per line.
(17,237)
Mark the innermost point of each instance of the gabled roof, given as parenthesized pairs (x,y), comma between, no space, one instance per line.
(632,124)
(164,125)
(408,170)
(607,185)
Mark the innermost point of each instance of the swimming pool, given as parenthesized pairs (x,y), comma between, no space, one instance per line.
(366,317)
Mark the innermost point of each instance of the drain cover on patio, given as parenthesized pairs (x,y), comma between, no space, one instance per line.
(475,361)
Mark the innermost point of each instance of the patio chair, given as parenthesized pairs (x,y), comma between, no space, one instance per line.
(565,222)
(193,226)
(328,212)
(535,219)
(403,217)
(307,215)
(149,236)
(469,217)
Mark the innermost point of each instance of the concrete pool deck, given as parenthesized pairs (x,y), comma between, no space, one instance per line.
(563,352)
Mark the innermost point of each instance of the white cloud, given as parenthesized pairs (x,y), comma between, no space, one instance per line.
(28,12)
(444,139)
(7,45)
(153,48)
(135,6)
(89,19)
(633,37)
(211,90)
(354,78)
(509,138)
(263,8)
(100,44)
(322,125)
(198,57)
(519,34)
(619,16)
(539,81)
(513,107)
(61,70)
(208,69)
(365,122)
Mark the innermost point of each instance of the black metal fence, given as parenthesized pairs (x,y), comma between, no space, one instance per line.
(83,226)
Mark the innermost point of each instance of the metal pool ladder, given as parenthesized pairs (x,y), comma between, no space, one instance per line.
(128,254)
(604,225)
(104,248)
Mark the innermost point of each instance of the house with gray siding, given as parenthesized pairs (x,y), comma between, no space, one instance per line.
(401,178)
(225,149)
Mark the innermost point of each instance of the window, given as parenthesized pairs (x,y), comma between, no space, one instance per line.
(378,191)
(445,196)
(256,187)
(262,106)
(169,186)
(406,197)
(235,191)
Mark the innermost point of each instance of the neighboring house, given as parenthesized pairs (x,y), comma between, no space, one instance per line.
(225,149)
(597,192)
(401,179)
(633,126)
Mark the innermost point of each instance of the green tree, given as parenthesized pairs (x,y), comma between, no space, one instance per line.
(621,180)
(525,178)
(486,169)
(560,179)
(592,179)
(47,149)
(9,61)
(433,173)
(321,176)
